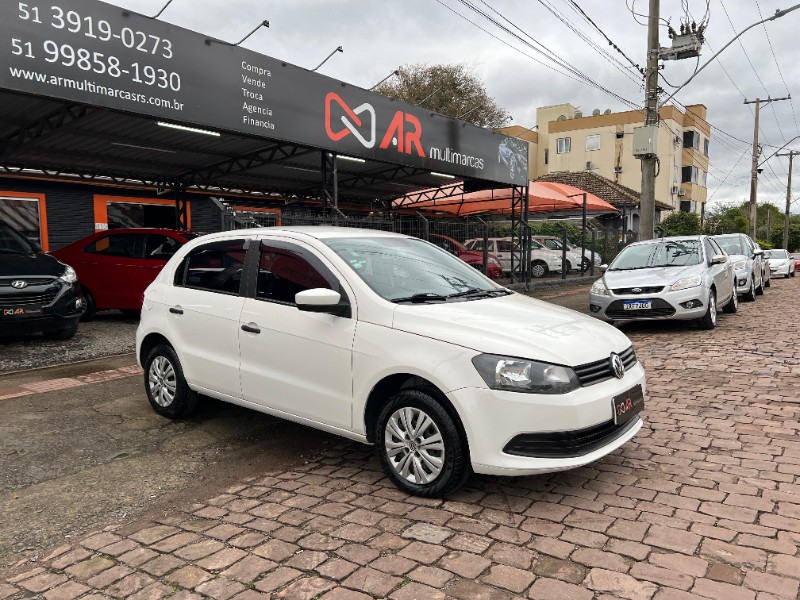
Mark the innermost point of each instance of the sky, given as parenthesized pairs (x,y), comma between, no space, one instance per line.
(379,35)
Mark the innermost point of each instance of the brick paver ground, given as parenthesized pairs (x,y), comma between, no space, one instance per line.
(705,502)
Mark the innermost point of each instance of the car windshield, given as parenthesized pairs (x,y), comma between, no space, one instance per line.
(776,254)
(665,253)
(731,245)
(408,269)
(13,242)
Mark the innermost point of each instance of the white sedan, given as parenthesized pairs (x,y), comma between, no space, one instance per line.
(780,262)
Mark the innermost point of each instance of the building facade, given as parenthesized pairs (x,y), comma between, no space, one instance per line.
(566,140)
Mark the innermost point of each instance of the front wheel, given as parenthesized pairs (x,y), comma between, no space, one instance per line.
(420,446)
(709,321)
(750,294)
(733,305)
(91,306)
(538,269)
(792,274)
(166,387)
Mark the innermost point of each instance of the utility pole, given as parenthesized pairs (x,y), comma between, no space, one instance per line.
(647,205)
(791,154)
(754,167)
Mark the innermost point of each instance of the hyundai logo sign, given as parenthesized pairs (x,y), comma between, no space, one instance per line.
(19,284)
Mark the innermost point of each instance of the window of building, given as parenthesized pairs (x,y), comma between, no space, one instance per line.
(127,214)
(283,273)
(216,267)
(691,139)
(592,142)
(546,155)
(706,143)
(689,175)
(563,145)
(23,215)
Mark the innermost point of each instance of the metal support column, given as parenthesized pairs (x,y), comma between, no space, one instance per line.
(330,186)
(181,207)
(520,236)
(485,244)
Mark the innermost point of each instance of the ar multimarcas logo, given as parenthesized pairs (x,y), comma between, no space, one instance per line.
(404,132)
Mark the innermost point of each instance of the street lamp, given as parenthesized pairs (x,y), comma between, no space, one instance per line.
(327,58)
(390,75)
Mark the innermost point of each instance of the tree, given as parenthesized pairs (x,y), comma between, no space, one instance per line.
(451,90)
(681,223)
(731,219)
(776,236)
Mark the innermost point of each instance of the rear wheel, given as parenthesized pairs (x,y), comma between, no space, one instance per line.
(166,388)
(709,321)
(538,269)
(421,448)
(750,294)
(792,274)
(733,305)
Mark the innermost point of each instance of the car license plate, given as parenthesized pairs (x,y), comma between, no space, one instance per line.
(19,312)
(638,305)
(628,405)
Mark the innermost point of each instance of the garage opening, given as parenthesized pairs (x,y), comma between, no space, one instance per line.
(124,214)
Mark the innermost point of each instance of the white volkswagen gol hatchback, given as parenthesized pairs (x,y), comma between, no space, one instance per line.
(388,340)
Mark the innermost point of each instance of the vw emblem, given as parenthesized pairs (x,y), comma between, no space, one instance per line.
(19,284)
(617,366)
(636,290)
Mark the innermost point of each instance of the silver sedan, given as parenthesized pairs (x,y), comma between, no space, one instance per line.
(686,277)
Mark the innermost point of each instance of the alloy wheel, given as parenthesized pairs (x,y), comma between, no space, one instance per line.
(414,445)
(712,307)
(162,381)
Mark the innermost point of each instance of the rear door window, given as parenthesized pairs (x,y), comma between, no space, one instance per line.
(160,247)
(216,267)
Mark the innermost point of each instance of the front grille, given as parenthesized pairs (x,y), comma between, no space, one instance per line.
(40,299)
(567,444)
(601,370)
(660,308)
(6,282)
(635,291)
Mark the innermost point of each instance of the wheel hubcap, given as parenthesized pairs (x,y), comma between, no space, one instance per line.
(414,445)
(537,270)
(161,378)
(712,306)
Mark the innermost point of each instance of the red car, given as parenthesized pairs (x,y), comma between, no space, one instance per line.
(115,267)
(796,257)
(493,269)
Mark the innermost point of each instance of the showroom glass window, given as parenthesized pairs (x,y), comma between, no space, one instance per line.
(282,273)
(124,245)
(216,267)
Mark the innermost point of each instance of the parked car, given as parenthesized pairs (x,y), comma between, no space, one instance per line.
(116,266)
(543,260)
(796,257)
(684,277)
(574,253)
(472,258)
(765,272)
(37,292)
(388,340)
(780,262)
(748,262)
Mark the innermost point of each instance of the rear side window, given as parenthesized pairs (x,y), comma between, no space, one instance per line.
(216,267)
(283,273)
(126,245)
(160,247)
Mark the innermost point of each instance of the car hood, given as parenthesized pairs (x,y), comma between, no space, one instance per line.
(648,277)
(514,325)
(30,265)
(778,261)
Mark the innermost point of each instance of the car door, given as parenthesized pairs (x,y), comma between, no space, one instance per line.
(722,274)
(111,268)
(296,362)
(204,309)
(158,249)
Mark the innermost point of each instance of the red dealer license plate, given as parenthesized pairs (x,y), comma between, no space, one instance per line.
(10,313)
(628,405)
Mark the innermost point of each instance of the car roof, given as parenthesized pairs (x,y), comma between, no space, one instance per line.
(319,232)
(671,238)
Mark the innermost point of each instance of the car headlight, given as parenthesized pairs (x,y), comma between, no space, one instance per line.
(740,264)
(686,283)
(494,261)
(520,375)
(69,275)
(599,288)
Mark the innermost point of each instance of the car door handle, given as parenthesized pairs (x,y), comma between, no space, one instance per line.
(176,310)
(251,328)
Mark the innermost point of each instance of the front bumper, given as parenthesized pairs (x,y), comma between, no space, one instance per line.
(686,304)
(493,419)
(783,269)
(60,307)
(743,277)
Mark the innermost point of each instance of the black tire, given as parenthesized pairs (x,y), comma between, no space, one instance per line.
(733,304)
(760,288)
(792,274)
(709,320)
(768,282)
(455,468)
(586,264)
(91,306)
(63,334)
(183,400)
(538,269)
(750,295)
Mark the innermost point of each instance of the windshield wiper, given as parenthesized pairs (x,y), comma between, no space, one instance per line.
(479,293)
(422,297)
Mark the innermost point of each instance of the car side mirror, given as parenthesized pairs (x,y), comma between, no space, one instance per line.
(719,259)
(603,268)
(758,252)
(321,300)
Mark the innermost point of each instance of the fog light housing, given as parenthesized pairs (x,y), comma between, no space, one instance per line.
(742,282)
(692,304)
(79,303)
(594,308)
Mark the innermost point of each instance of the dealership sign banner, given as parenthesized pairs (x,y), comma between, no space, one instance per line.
(95,53)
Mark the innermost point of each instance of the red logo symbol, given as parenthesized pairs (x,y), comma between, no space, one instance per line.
(404,132)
